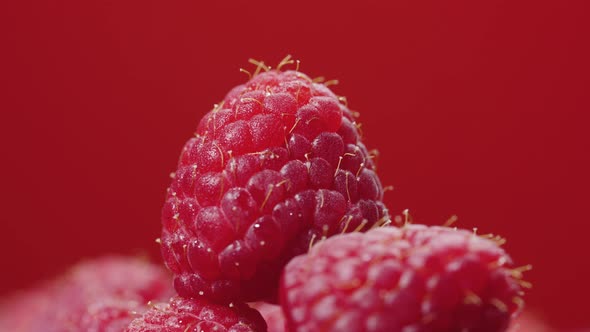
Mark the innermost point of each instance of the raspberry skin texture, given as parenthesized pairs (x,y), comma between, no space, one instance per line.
(277,164)
(100,295)
(415,278)
(198,315)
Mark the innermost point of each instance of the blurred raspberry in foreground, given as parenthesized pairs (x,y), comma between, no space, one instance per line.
(529,322)
(198,315)
(272,314)
(100,295)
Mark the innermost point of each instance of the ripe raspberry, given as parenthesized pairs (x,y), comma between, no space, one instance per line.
(416,278)
(273,316)
(198,315)
(278,163)
(99,295)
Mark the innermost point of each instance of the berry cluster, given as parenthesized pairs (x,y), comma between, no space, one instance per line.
(277,199)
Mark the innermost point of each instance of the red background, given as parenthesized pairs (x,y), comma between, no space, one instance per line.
(479,108)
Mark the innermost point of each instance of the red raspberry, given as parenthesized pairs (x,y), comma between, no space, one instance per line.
(99,295)
(198,315)
(278,163)
(416,278)
(273,315)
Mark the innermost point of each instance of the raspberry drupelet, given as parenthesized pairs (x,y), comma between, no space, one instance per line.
(278,164)
(415,278)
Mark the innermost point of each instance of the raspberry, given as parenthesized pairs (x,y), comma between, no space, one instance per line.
(273,315)
(198,315)
(276,165)
(99,295)
(415,278)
